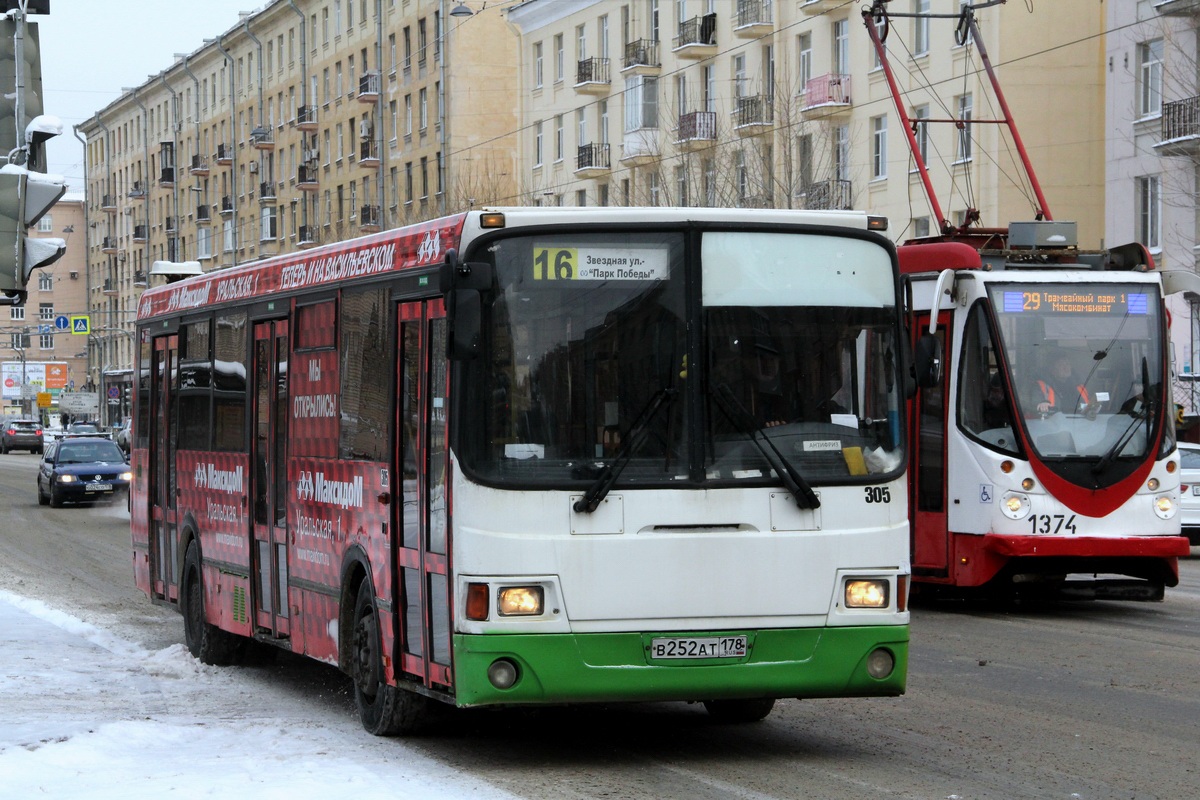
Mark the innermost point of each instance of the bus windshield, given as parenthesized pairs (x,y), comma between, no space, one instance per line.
(704,358)
(1085,363)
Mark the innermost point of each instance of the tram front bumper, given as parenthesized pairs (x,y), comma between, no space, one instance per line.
(617,667)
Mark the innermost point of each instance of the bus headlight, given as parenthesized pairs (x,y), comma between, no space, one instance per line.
(1165,506)
(520,601)
(866,593)
(1015,506)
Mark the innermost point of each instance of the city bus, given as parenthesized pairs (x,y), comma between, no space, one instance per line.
(532,456)
(1043,460)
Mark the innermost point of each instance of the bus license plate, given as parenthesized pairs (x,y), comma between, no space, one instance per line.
(99,487)
(699,647)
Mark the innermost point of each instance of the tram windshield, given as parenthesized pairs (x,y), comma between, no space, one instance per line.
(1086,366)
(681,357)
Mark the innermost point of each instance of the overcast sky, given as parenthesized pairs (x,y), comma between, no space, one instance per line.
(92,49)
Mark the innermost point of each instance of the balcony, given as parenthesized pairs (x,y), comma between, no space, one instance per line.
(141,234)
(756,201)
(174,251)
(262,139)
(307,237)
(226,205)
(224,155)
(697,37)
(1180,128)
(166,178)
(696,130)
(139,280)
(108,203)
(591,76)
(169,225)
(592,160)
(108,245)
(826,96)
(640,147)
(110,287)
(306,178)
(814,7)
(1178,8)
(266,192)
(753,115)
(306,118)
(753,19)
(827,195)
(368,154)
(203,213)
(641,58)
(368,87)
(199,166)
(138,190)
(370,219)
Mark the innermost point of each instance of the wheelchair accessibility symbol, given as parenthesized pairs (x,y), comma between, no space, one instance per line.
(985,493)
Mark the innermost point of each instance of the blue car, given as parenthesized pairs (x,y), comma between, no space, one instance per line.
(82,470)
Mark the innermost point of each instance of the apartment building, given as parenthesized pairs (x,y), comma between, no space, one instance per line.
(1153,152)
(33,338)
(307,122)
(785,104)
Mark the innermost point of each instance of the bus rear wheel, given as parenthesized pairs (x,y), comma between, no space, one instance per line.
(384,710)
(739,710)
(208,643)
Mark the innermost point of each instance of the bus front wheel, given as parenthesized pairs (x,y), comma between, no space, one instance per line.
(206,642)
(739,710)
(384,710)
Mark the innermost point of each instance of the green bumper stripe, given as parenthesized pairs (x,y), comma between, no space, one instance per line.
(610,667)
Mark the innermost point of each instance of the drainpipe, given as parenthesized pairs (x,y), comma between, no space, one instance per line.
(303,98)
(383,161)
(108,180)
(87,244)
(196,94)
(262,121)
(233,180)
(145,200)
(443,52)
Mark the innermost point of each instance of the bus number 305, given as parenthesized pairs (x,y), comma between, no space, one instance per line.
(878,494)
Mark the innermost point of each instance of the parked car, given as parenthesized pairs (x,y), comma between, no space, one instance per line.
(82,469)
(77,429)
(120,433)
(1189,491)
(21,434)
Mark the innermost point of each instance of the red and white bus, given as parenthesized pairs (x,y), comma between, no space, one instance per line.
(1043,460)
(526,456)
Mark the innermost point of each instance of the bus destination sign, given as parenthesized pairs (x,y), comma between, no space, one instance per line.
(1075,301)
(599,264)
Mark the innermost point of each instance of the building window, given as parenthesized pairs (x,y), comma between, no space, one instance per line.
(45,224)
(641,102)
(46,341)
(1149,212)
(559,58)
(204,242)
(804,45)
(963,150)
(558,137)
(46,312)
(879,146)
(45,280)
(921,133)
(841,153)
(841,47)
(537,65)
(537,144)
(920,28)
(1150,64)
(921,226)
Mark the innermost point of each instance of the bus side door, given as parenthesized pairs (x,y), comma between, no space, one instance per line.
(927,473)
(268,554)
(164,528)
(422,465)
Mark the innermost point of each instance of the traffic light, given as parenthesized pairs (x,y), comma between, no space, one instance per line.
(24,198)
(29,93)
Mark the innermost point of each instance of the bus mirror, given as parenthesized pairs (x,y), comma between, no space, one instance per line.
(466,324)
(473,275)
(927,361)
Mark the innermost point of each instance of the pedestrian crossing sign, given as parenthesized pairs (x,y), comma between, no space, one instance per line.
(81,324)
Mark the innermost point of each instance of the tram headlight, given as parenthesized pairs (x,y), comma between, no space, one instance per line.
(1015,506)
(1165,506)
(866,593)
(520,601)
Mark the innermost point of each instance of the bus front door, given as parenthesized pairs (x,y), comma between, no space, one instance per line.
(164,529)
(268,555)
(930,534)
(422,465)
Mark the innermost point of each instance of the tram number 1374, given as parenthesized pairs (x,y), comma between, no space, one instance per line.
(1052,523)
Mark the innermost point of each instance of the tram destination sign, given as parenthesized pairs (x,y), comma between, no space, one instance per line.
(1067,300)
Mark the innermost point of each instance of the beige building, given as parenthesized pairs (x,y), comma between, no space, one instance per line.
(60,290)
(308,122)
(784,104)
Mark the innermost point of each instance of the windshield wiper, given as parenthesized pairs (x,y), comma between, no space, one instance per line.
(802,493)
(633,439)
(1127,434)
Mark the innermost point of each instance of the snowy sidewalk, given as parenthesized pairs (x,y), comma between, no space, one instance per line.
(84,712)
